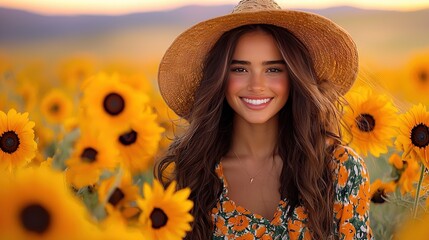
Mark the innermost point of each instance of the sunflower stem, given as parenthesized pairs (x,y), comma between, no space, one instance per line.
(416,200)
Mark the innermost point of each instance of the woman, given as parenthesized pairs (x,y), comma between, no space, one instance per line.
(262,153)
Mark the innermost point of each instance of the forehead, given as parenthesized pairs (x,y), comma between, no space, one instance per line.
(257,45)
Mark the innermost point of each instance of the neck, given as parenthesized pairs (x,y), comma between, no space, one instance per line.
(256,141)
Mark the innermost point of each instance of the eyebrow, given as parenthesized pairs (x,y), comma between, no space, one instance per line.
(242,62)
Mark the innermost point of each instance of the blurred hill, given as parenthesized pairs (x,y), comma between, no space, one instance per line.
(18,25)
(380,35)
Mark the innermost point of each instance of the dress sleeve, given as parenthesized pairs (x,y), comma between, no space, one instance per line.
(352,201)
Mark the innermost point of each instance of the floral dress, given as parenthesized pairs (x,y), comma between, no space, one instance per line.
(350,216)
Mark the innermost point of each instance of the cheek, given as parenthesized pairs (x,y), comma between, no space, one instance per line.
(233,87)
(281,87)
(234,84)
(230,89)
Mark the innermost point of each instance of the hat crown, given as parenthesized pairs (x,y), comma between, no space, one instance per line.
(255,5)
(331,48)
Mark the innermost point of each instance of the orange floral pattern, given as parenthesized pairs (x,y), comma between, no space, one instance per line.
(350,216)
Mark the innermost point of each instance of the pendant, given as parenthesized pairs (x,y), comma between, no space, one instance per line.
(251,180)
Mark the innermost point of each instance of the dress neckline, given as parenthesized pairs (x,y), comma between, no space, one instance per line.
(247,212)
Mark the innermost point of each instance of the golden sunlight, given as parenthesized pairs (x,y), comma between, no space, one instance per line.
(54,7)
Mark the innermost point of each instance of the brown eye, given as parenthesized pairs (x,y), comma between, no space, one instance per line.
(239,70)
(274,70)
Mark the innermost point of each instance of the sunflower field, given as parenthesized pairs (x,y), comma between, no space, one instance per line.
(76,156)
(79,138)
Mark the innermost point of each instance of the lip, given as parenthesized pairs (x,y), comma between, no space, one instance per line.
(256,103)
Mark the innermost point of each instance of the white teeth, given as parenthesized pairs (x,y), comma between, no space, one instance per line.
(256,101)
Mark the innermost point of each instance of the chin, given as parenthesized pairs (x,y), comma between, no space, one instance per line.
(256,117)
(260,120)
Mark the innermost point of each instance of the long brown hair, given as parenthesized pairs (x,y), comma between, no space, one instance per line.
(306,122)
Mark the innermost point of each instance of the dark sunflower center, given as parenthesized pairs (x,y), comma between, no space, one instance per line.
(9,142)
(423,76)
(128,138)
(35,218)
(55,108)
(114,104)
(159,218)
(379,196)
(89,155)
(420,135)
(116,197)
(365,122)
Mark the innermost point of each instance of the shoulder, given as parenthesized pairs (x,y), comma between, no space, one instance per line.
(352,200)
(348,158)
(349,170)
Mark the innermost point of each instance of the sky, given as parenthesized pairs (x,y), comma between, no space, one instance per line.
(117,7)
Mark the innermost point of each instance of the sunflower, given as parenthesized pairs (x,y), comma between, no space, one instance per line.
(371,121)
(76,69)
(406,172)
(118,195)
(41,208)
(110,103)
(165,212)
(139,82)
(139,144)
(397,162)
(91,155)
(17,145)
(27,90)
(380,190)
(417,73)
(114,227)
(413,135)
(56,106)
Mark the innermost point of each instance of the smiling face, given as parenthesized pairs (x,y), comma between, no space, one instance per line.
(258,83)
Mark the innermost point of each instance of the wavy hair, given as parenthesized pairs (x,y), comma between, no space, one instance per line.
(308,119)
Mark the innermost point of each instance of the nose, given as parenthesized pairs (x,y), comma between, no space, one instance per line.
(256,83)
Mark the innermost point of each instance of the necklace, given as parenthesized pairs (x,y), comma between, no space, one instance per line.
(250,176)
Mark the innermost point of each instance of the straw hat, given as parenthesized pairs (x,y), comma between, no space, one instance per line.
(332,49)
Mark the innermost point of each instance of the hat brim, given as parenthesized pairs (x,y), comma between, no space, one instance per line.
(332,49)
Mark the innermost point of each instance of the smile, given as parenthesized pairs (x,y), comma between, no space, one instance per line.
(256,102)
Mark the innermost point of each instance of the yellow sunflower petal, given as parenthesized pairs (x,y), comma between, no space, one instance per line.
(168,218)
(371,121)
(413,135)
(139,144)
(110,101)
(56,106)
(41,194)
(17,145)
(91,155)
